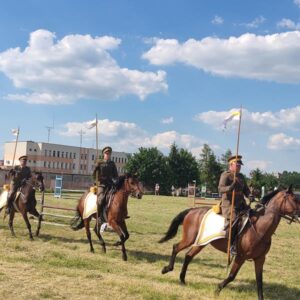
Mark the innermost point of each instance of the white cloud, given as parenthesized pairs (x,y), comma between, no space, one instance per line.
(169,120)
(288,24)
(297,2)
(76,67)
(281,141)
(260,164)
(217,20)
(126,136)
(288,118)
(255,23)
(273,57)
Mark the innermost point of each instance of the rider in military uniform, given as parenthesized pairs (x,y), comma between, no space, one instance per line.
(226,187)
(104,174)
(18,173)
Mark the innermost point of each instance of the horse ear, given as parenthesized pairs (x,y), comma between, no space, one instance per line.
(290,189)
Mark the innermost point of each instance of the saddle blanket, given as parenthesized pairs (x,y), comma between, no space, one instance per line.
(3,199)
(210,229)
(90,205)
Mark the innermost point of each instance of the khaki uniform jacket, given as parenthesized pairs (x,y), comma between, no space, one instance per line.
(105,171)
(242,190)
(20,174)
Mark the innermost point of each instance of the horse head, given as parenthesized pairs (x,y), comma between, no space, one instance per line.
(290,205)
(133,186)
(38,181)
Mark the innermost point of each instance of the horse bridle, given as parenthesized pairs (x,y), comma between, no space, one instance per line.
(290,218)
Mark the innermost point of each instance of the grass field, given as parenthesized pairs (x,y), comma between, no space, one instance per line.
(58,264)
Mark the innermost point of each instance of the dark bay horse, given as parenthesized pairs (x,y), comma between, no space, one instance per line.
(116,214)
(26,201)
(254,242)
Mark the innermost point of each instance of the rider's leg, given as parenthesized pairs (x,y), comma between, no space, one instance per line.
(101,203)
(11,197)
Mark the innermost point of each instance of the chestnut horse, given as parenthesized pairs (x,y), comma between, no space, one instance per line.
(26,201)
(254,242)
(116,213)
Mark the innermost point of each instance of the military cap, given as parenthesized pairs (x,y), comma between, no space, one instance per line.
(106,149)
(23,157)
(237,159)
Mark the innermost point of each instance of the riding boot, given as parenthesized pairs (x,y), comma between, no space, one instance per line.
(101,208)
(9,204)
(234,240)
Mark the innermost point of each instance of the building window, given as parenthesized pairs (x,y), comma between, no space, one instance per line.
(80,167)
(45,152)
(74,155)
(45,164)
(53,165)
(30,149)
(49,165)
(34,150)
(73,166)
(81,156)
(57,153)
(62,165)
(66,166)
(67,154)
(49,152)
(53,153)
(93,157)
(85,156)
(34,162)
(63,154)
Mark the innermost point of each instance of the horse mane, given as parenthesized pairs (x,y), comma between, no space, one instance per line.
(265,199)
(121,180)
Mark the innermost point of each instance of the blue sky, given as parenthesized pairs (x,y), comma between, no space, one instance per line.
(155,72)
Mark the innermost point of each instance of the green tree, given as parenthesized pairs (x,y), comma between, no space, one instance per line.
(152,167)
(183,167)
(256,179)
(224,159)
(210,169)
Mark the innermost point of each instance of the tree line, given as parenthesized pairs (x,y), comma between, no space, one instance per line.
(180,167)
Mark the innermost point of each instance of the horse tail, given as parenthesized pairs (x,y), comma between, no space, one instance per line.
(77,222)
(177,221)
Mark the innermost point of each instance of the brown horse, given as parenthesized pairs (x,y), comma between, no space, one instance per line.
(26,201)
(254,242)
(116,214)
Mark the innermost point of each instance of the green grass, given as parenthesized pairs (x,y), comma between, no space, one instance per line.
(58,264)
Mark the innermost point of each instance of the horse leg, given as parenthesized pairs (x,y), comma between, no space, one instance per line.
(188,258)
(25,217)
(184,243)
(11,222)
(88,233)
(238,262)
(259,263)
(122,232)
(102,243)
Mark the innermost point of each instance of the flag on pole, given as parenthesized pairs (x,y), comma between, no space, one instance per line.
(229,118)
(92,124)
(15,131)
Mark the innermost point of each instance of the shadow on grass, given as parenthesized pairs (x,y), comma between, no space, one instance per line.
(48,237)
(271,290)
(154,257)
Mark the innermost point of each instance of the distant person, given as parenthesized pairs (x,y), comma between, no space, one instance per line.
(173,190)
(18,174)
(104,174)
(157,189)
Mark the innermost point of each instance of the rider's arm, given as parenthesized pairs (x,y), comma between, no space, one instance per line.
(224,186)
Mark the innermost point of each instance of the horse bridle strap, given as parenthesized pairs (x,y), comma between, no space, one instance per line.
(291,219)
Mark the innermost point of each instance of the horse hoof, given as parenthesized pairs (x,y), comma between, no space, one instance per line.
(182,282)
(116,244)
(92,251)
(217,291)
(125,258)
(165,270)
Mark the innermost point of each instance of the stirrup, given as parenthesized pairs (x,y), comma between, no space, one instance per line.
(233,250)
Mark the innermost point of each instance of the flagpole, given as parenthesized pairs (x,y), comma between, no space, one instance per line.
(97,146)
(97,177)
(15,150)
(233,193)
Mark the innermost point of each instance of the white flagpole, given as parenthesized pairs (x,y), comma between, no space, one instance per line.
(97,145)
(15,150)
